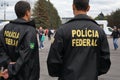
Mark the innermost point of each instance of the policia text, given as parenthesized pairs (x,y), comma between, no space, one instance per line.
(11,38)
(84,37)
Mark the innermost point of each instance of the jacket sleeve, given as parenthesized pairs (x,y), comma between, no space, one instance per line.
(26,49)
(4,59)
(54,61)
(104,56)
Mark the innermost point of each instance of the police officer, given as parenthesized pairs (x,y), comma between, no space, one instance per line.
(80,49)
(19,46)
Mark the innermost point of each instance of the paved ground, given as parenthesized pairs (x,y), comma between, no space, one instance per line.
(113,74)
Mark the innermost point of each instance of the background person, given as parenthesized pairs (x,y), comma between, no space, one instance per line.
(42,41)
(115,34)
(41,31)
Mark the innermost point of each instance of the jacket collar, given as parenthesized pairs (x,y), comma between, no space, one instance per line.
(82,16)
(19,20)
(23,22)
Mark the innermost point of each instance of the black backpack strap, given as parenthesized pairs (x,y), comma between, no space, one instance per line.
(82,19)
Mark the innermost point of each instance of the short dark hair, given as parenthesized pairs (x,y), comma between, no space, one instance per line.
(81,4)
(21,7)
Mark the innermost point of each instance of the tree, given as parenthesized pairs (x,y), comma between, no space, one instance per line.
(46,15)
(40,14)
(114,19)
(53,16)
(100,17)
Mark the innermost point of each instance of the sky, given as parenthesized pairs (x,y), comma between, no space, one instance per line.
(64,7)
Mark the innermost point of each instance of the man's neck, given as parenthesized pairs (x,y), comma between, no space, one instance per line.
(25,18)
(80,12)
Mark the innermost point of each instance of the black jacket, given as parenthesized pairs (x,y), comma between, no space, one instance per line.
(80,51)
(115,34)
(19,44)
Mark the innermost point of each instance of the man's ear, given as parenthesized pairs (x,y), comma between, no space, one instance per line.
(73,6)
(74,9)
(27,13)
(88,8)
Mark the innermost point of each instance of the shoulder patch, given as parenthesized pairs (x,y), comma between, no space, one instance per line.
(32,45)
